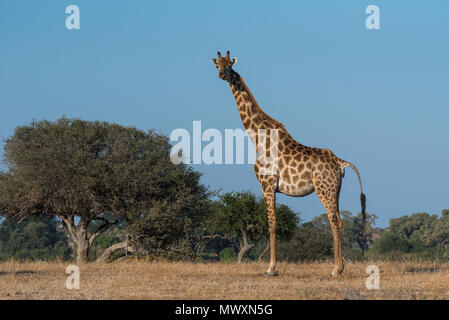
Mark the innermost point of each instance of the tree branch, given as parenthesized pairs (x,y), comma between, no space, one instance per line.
(102,228)
(265,250)
(246,246)
(115,247)
(69,224)
(214,237)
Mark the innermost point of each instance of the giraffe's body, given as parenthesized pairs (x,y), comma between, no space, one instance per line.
(299,169)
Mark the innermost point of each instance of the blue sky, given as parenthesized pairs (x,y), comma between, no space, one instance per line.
(377,98)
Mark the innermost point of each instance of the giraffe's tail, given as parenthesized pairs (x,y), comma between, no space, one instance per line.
(362,195)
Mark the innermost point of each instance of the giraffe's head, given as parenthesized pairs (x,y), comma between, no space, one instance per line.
(224,65)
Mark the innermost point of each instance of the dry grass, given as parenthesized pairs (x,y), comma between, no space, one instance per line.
(161,280)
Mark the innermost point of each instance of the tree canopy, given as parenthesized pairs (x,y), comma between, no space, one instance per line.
(82,171)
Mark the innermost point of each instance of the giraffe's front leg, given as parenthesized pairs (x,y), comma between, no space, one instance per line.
(268,181)
(271,208)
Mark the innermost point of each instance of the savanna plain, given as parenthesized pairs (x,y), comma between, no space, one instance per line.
(167,280)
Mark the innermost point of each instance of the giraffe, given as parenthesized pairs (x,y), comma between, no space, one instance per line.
(299,170)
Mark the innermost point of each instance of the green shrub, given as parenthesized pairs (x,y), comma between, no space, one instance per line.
(228,254)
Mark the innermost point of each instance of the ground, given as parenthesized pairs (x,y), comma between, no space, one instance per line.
(163,280)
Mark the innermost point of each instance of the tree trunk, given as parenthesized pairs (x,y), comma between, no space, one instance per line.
(265,250)
(243,249)
(79,234)
(82,241)
(82,251)
(118,246)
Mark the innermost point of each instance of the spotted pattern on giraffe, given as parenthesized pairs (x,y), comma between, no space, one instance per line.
(298,169)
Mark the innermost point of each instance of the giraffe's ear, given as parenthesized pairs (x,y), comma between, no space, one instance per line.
(234,61)
(215,62)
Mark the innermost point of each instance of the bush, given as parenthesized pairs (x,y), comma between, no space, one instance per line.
(307,244)
(228,254)
(33,239)
(389,242)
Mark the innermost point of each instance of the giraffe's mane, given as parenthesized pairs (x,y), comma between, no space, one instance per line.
(264,115)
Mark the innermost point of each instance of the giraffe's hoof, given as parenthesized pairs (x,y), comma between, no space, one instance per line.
(270,273)
(337,272)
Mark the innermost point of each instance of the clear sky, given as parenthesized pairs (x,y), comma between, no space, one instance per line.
(377,98)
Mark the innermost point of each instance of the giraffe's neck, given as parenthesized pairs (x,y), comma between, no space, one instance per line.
(253,117)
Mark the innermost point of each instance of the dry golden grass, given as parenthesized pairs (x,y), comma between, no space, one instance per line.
(162,280)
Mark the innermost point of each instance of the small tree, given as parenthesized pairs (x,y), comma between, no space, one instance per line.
(244,216)
(355,233)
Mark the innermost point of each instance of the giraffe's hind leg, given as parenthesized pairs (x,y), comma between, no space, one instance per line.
(328,191)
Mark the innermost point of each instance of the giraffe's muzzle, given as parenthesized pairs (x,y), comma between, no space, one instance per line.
(222,75)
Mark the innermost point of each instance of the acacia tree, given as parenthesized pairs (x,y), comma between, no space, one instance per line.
(244,216)
(82,172)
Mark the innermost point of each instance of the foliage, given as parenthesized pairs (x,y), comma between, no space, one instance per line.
(412,226)
(417,236)
(391,242)
(353,235)
(241,211)
(307,244)
(83,171)
(228,254)
(33,239)
(168,227)
(242,218)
